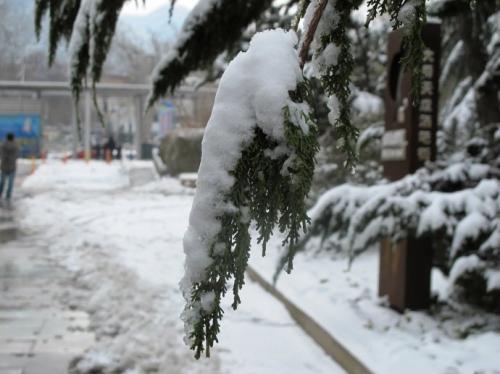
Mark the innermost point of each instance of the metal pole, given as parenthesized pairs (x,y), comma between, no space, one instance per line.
(74,130)
(139,112)
(88,120)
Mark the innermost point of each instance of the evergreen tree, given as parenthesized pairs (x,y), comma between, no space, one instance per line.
(449,200)
(260,145)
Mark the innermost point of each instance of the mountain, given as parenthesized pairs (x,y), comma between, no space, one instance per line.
(155,23)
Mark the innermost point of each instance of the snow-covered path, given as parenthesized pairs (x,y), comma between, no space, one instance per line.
(124,247)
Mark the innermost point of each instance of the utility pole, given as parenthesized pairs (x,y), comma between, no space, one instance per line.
(88,122)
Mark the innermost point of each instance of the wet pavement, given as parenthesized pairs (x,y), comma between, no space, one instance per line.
(38,335)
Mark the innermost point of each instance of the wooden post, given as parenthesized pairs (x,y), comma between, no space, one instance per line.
(409,141)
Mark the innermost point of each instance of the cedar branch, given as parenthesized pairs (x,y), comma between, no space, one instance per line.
(311,30)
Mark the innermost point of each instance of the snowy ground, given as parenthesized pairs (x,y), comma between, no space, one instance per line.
(448,339)
(124,246)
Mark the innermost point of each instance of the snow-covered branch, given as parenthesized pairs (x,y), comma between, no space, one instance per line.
(257,165)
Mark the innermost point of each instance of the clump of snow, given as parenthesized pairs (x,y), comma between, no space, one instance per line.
(463,265)
(432,218)
(252,93)
(469,228)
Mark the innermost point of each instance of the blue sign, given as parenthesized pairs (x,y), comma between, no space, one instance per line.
(27,130)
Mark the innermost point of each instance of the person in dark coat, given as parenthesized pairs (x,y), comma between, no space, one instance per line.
(109,146)
(8,153)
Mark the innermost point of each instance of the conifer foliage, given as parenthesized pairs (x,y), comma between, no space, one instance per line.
(259,174)
(212,27)
(457,206)
(89,25)
(62,16)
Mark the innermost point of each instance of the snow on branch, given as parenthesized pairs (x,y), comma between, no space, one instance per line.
(333,64)
(354,218)
(257,165)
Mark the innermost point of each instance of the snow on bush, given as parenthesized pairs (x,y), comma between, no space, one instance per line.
(462,221)
(257,163)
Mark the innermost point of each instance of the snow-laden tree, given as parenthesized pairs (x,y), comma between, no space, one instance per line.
(260,143)
(444,201)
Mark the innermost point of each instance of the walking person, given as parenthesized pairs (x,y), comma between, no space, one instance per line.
(8,153)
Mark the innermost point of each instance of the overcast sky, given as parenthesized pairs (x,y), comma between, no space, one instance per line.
(151,5)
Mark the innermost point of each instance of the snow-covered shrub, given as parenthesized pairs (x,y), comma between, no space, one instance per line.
(458,207)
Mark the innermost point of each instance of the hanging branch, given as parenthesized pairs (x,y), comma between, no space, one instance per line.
(266,165)
(212,27)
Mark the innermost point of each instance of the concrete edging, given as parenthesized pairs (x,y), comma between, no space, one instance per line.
(328,343)
(8,230)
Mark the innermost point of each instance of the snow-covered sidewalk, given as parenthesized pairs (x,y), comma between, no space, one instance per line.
(447,339)
(124,247)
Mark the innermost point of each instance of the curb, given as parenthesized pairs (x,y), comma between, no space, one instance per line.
(328,343)
(8,230)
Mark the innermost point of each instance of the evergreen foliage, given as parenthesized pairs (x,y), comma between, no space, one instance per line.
(269,192)
(412,15)
(336,79)
(457,206)
(277,15)
(205,38)
(62,16)
(350,218)
(96,22)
